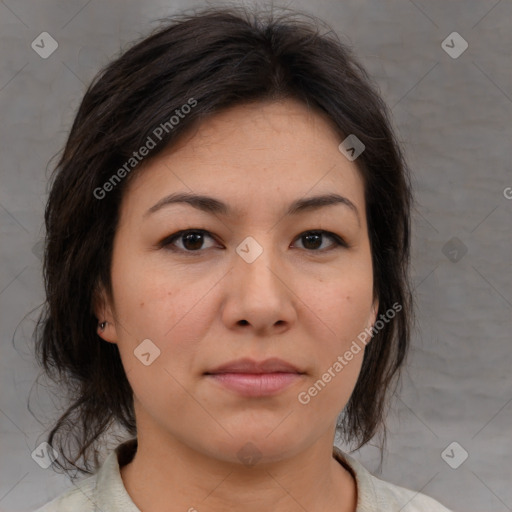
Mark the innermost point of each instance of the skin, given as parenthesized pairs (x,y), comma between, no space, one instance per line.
(302,303)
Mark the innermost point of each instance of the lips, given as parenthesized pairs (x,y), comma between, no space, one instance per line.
(255,379)
(249,366)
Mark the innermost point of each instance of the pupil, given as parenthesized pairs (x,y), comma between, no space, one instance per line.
(196,240)
(308,237)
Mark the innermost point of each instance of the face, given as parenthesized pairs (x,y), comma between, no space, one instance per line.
(253,280)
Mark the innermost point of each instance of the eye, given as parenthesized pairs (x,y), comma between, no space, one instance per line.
(192,240)
(313,240)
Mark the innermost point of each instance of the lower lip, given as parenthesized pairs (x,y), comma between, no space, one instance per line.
(251,384)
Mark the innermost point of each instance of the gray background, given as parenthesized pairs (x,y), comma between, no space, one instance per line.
(453,117)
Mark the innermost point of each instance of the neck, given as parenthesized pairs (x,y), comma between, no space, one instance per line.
(171,474)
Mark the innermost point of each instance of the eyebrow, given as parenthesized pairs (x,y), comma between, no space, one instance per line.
(215,206)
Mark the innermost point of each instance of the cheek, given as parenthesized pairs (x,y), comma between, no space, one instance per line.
(330,388)
(150,298)
(171,309)
(342,307)
(171,315)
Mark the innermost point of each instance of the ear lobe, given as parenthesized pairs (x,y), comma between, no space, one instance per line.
(108,332)
(375,310)
(373,314)
(106,327)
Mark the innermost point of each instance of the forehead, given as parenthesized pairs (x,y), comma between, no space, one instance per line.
(252,156)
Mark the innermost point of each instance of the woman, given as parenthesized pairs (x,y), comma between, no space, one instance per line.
(226,272)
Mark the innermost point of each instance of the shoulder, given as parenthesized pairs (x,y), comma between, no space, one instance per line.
(78,498)
(405,500)
(103,490)
(376,495)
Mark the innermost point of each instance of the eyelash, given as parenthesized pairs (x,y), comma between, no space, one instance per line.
(168,241)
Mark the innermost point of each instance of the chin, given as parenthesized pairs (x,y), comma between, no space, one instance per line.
(252,447)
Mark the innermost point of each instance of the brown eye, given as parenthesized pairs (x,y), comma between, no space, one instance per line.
(192,240)
(312,240)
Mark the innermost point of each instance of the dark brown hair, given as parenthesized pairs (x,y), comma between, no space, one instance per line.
(219,57)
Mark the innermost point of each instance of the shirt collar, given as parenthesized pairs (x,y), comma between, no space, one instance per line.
(111,493)
(366,494)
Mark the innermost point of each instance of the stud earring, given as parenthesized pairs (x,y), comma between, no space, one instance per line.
(102,325)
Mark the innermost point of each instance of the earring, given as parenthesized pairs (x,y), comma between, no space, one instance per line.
(102,325)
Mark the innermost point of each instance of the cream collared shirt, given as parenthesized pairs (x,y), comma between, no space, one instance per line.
(105,492)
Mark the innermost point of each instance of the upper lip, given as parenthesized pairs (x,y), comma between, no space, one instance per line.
(272,365)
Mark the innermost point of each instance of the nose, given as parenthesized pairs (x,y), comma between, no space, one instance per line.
(259,295)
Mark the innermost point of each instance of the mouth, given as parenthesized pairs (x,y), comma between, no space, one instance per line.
(255,379)
(272,365)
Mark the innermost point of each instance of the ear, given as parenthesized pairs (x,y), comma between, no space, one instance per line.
(104,312)
(373,314)
(372,317)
